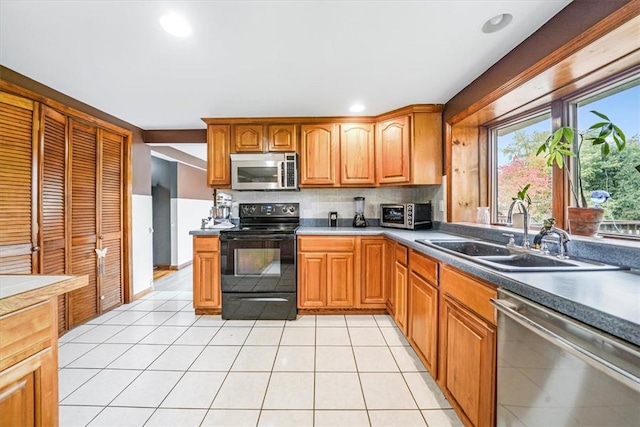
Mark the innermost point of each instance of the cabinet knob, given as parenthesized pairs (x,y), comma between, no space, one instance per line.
(35,249)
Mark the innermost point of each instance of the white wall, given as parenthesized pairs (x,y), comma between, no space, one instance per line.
(186,215)
(142,242)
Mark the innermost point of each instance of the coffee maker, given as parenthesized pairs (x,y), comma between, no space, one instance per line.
(358,219)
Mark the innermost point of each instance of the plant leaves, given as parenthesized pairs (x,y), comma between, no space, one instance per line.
(602,116)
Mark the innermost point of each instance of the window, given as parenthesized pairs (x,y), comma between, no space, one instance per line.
(617,174)
(516,165)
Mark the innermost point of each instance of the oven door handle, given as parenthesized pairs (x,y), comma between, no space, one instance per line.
(271,237)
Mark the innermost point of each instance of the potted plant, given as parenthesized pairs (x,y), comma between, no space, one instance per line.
(518,218)
(558,147)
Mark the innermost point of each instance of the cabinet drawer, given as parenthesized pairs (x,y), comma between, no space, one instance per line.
(25,332)
(326,244)
(424,267)
(470,292)
(206,243)
(401,254)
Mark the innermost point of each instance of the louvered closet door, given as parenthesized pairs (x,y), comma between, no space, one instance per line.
(83,303)
(110,225)
(53,226)
(17,201)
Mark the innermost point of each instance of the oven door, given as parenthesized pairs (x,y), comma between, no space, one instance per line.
(257,263)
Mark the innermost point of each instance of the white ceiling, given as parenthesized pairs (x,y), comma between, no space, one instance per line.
(259,58)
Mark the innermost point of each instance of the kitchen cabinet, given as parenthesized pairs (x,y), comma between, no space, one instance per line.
(467,360)
(318,155)
(206,275)
(218,155)
(409,146)
(29,348)
(248,139)
(401,281)
(357,155)
(374,272)
(393,151)
(283,137)
(326,272)
(423,309)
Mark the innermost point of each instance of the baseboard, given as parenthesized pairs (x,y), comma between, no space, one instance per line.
(142,293)
(342,311)
(200,311)
(181,266)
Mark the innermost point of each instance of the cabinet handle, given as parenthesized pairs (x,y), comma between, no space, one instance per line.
(13,389)
(35,249)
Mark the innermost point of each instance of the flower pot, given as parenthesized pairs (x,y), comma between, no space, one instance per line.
(585,221)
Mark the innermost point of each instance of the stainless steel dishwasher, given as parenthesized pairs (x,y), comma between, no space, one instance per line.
(556,371)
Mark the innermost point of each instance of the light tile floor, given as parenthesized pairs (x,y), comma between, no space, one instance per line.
(155,363)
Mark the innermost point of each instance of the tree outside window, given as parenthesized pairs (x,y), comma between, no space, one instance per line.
(518,165)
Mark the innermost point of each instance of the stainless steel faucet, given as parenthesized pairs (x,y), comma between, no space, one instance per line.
(525,234)
(563,238)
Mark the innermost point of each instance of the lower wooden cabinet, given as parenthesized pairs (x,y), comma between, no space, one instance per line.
(373,289)
(206,275)
(467,358)
(29,366)
(401,283)
(326,272)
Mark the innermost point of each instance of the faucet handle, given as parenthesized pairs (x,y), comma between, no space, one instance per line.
(511,242)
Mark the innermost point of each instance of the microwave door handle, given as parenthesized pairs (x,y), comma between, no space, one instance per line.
(281,177)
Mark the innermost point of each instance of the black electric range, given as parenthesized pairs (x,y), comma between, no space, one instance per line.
(258,263)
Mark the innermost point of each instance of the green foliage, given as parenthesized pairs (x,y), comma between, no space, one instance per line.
(560,145)
(522,194)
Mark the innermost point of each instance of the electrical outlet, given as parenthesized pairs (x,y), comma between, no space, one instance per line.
(441,205)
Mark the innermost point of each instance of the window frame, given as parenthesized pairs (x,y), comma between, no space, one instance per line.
(563,112)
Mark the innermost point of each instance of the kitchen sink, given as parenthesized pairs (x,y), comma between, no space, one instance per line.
(512,259)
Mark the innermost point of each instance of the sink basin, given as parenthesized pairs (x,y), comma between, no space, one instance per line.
(503,258)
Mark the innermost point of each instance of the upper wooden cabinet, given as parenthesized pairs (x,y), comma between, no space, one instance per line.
(248,138)
(318,157)
(393,146)
(282,138)
(402,147)
(357,155)
(218,159)
(409,147)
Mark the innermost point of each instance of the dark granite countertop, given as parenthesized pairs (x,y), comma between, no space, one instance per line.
(606,300)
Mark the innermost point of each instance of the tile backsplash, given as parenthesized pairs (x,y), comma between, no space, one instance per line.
(317,203)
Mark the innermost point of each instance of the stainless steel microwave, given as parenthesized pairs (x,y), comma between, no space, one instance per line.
(264,171)
(410,216)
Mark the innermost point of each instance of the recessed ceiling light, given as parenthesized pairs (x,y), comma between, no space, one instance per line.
(497,23)
(356,108)
(175,25)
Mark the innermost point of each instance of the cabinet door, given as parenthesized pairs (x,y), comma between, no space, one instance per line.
(318,155)
(401,279)
(283,138)
(312,280)
(467,359)
(110,219)
(393,151)
(357,163)
(17,188)
(83,303)
(374,254)
(218,160)
(390,277)
(248,138)
(206,272)
(340,278)
(423,320)
(29,391)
